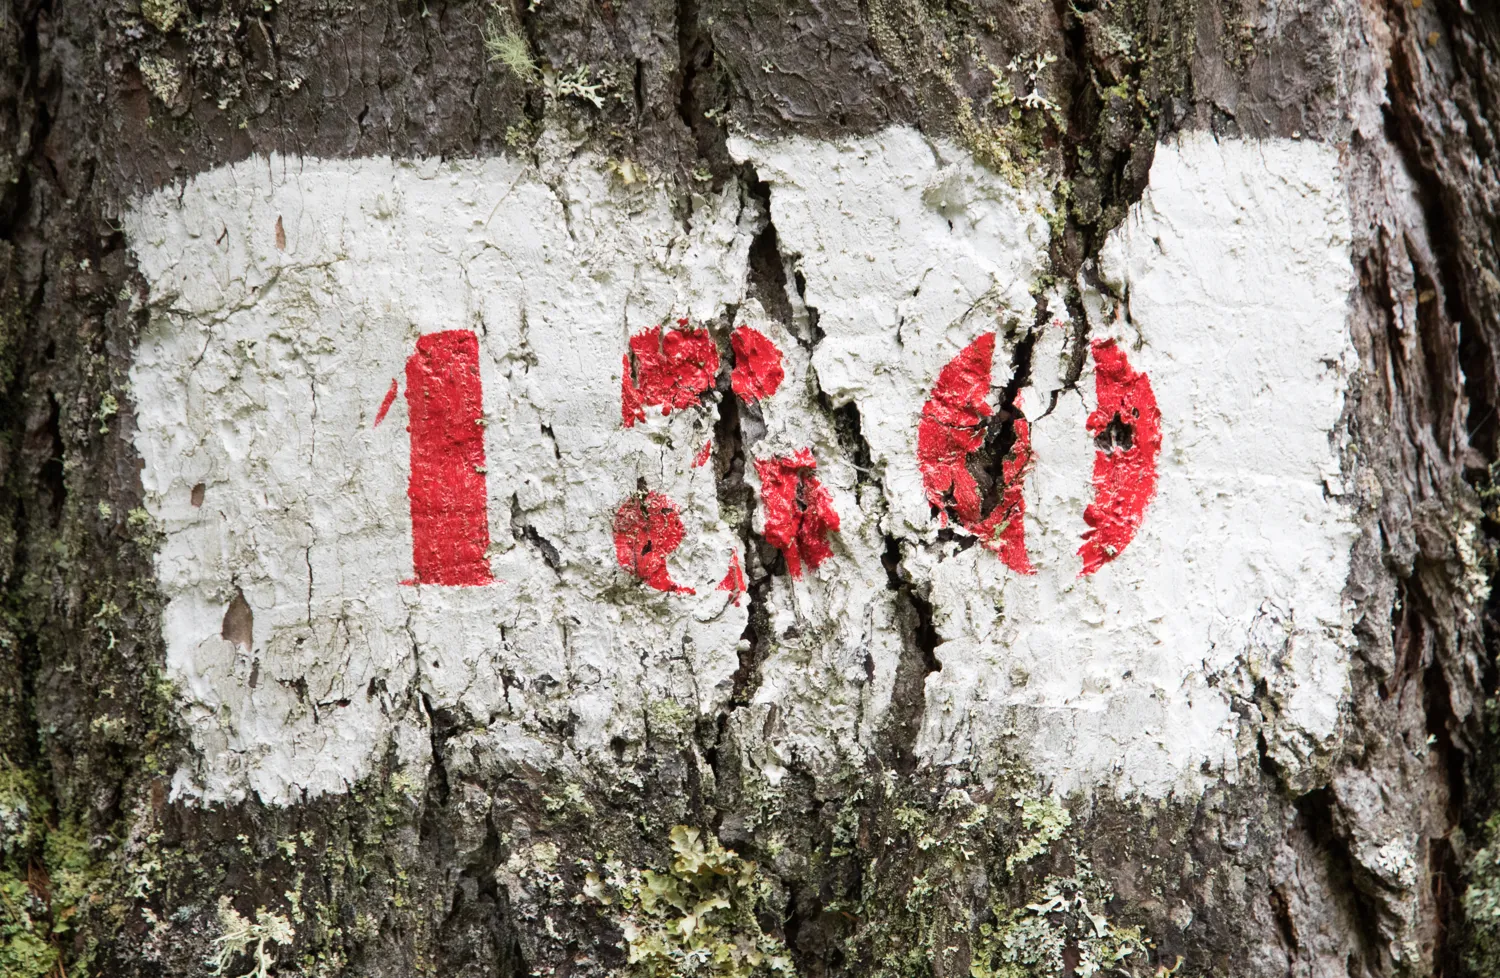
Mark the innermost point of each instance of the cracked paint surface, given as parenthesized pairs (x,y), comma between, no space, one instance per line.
(1233,275)
(260,375)
(263,370)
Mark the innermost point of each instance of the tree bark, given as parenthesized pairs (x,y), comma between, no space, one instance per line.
(842,786)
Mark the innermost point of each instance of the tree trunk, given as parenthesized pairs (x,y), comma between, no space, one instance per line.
(884,488)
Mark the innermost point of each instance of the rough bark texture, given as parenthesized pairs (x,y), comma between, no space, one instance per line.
(877,870)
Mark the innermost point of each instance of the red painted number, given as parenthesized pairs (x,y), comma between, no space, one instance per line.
(957,420)
(450,528)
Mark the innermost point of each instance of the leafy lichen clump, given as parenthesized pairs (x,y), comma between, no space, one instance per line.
(239,933)
(1481,902)
(699,918)
(961,884)
(162,14)
(1045,819)
(1069,913)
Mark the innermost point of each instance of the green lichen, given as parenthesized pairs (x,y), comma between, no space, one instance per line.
(668,717)
(109,406)
(21,811)
(162,14)
(1481,902)
(698,918)
(504,45)
(161,75)
(46,874)
(239,933)
(26,949)
(1068,913)
(967,884)
(1046,819)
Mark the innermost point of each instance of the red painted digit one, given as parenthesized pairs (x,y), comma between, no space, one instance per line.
(450,528)
(951,429)
(1124,478)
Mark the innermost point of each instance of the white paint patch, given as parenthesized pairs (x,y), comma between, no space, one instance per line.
(904,244)
(1236,271)
(260,378)
(263,368)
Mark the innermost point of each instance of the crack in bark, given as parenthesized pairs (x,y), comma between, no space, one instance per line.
(1408,132)
(736,429)
(528,534)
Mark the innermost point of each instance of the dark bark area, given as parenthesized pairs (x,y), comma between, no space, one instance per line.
(102,875)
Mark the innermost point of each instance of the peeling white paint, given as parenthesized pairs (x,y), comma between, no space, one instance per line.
(260,377)
(262,369)
(1236,269)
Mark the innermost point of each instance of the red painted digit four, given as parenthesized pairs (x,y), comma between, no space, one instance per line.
(674,369)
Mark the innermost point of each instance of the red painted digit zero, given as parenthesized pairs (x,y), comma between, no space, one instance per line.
(450,528)
(647,529)
(1124,478)
(951,429)
(799,509)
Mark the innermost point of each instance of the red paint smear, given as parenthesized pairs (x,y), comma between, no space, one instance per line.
(799,510)
(734,581)
(385,405)
(1124,478)
(757,365)
(647,529)
(450,527)
(673,371)
(951,429)
(701,458)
